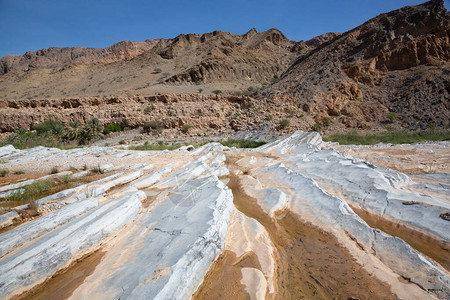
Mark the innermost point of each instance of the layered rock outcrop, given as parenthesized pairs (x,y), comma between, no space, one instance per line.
(168,227)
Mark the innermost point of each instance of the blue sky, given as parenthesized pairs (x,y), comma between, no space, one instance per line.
(29,25)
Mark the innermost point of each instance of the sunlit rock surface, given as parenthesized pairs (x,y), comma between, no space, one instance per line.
(166,219)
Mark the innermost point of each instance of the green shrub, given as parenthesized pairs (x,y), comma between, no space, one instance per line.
(112,128)
(49,127)
(153,126)
(74,130)
(200,91)
(217,92)
(20,131)
(91,130)
(31,192)
(325,121)
(19,172)
(186,128)
(316,127)
(3,172)
(122,142)
(391,116)
(284,123)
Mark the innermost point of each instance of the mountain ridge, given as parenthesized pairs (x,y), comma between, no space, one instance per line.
(393,69)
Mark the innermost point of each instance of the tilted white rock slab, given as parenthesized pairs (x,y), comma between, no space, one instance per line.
(189,172)
(7,219)
(197,168)
(299,142)
(375,188)
(151,179)
(102,189)
(41,259)
(248,235)
(28,231)
(208,148)
(7,150)
(269,199)
(335,212)
(171,250)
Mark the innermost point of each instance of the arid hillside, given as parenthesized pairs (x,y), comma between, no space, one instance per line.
(393,70)
(185,64)
(397,62)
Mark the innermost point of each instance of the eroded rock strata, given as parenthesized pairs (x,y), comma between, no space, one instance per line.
(287,219)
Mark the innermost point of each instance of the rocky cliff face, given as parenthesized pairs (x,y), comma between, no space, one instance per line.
(389,64)
(207,114)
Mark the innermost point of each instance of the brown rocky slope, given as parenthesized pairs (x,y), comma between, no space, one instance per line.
(216,60)
(393,70)
(397,62)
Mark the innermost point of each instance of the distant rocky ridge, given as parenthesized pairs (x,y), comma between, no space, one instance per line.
(393,70)
(59,57)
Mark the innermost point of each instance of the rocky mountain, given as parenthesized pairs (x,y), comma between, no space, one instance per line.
(393,70)
(397,62)
(219,60)
(59,57)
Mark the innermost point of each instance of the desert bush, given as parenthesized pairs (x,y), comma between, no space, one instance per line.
(325,121)
(96,170)
(74,130)
(284,123)
(153,126)
(217,92)
(122,142)
(3,172)
(32,191)
(316,127)
(49,127)
(91,130)
(112,127)
(20,131)
(391,116)
(19,172)
(186,128)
